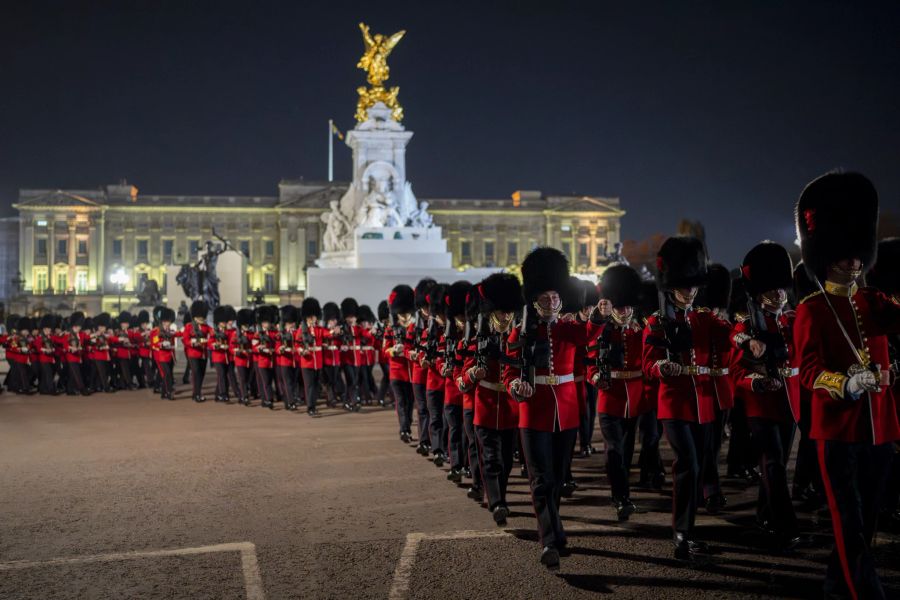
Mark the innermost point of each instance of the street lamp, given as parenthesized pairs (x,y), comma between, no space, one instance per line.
(119,278)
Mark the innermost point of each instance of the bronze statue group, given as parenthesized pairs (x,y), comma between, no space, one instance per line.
(507,370)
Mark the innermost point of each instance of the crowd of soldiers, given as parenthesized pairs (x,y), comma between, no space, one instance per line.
(508,370)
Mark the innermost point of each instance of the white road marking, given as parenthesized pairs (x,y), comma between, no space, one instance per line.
(400,585)
(249,566)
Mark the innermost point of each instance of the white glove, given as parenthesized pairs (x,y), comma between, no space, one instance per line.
(864,381)
(668,368)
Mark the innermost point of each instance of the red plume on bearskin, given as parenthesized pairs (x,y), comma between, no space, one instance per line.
(837,218)
(402,299)
(544,269)
(766,267)
(621,285)
(681,263)
(456,298)
(885,275)
(436,299)
(421,291)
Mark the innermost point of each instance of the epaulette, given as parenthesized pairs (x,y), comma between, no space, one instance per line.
(740,317)
(702,309)
(805,298)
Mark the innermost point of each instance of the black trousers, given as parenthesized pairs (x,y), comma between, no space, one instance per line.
(385,384)
(435,402)
(709,479)
(403,401)
(311,381)
(149,372)
(124,373)
(287,384)
(242,374)
(74,380)
(138,371)
(772,441)
(334,383)
(166,378)
(650,460)
(264,384)
(854,477)
(222,384)
(806,469)
(351,383)
(424,416)
(453,415)
(547,456)
(740,453)
(101,375)
(586,431)
(471,448)
(496,454)
(619,434)
(47,385)
(687,439)
(198,372)
(367,387)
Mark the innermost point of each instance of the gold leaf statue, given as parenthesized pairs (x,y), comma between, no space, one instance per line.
(374,63)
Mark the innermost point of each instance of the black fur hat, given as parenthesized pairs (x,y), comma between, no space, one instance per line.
(544,269)
(12,321)
(402,299)
(681,263)
(186,317)
(591,293)
(885,275)
(648,302)
(349,307)
(573,296)
(717,293)
(837,218)
(456,298)
(124,317)
(289,313)
(436,299)
(25,324)
(77,319)
(500,291)
(143,317)
(422,289)
(267,314)
(220,314)
(47,322)
(621,285)
(163,313)
(134,322)
(365,314)
(102,320)
(88,324)
(767,267)
(246,317)
(199,309)
(383,310)
(331,311)
(310,308)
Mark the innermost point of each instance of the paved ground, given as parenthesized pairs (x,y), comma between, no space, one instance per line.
(129,496)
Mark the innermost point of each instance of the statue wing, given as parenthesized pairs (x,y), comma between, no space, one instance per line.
(393,41)
(367,37)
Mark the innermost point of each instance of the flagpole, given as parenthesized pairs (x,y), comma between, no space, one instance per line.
(330,150)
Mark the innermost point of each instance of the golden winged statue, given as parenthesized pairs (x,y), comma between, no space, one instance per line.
(374,63)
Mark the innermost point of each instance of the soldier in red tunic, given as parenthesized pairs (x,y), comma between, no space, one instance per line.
(120,345)
(42,345)
(418,375)
(401,303)
(439,436)
(446,309)
(384,386)
(331,369)
(768,376)
(98,353)
(162,343)
(264,353)
(542,353)
(219,344)
(195,338)
(589,418)
(679,345)
(286,357)
(310,338)
(841,333)
(615,358)
(240,347)
(351,353)
(74,354)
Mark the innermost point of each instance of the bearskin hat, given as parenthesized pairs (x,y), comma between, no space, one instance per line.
(681,263)
(47,322)
(88,324)
(267,314)
(544,269)
(76,319)
(383,310)
(573,296)
(402,299)
(885,275)
(102,320)
(767,267)
(124,317)
(473,302)
(12,321)
(199,309)
(349,307)
(246,317)
(186,317)
(143,317)
(289,313)
(621,285)
(163,313)
(648,301)
(365,314)
(500,291)
(221,314)
(717,293)
(436,299)
(331,311)
(456,299)
(310,308)
(134,322)
(421,291)
(837,218)
(591,293)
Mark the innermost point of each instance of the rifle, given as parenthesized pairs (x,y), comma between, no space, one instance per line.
(396,329)
(449,344)
(309,339)
(431,343)
(482,343)
(677,336)
(776,353)
(287,340)
(529,343)
(602,360)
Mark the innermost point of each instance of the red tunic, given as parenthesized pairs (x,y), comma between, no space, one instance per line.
(162,346)
(98,347)
(351,347)
(494,407)
(418,374)
(687,397)
(398,364)
(285,349)
(624,396)
(196,339)
(44,349)
(74,346)
(219,344)
(240,350)
(264,348)
(784,404)
(331,347)
(120,344)
(825,356)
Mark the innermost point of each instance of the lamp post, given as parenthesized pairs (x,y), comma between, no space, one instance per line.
(119,278)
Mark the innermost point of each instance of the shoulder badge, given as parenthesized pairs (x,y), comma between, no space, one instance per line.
(813,295)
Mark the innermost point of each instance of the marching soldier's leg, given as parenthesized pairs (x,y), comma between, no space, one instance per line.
(472,451)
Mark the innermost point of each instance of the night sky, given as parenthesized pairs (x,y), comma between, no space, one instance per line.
(682,109)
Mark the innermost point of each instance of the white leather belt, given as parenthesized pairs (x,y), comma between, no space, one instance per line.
(789,371)
(331,347)
(313,348)
(625,374)
(553,379)
(497,387)
(694,370)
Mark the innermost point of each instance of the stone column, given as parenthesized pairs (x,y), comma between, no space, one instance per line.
(73,251)
(26,255)
(51,251)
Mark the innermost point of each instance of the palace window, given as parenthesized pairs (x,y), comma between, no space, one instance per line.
(62,281)
(567,250)
(269,283)
(41,247)
(142,250)
(312,247)
(62,247)
(245,248)
(465,252)
(117,249)
(512,252)
(270,248)
(193,249)
(168,248)
(583,253)
(489,254)
(601,252)
(81,281)
(82,247)
(40,280)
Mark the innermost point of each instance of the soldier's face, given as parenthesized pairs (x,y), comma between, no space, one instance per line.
(501,320)
(548,304)
(45,331)
(685,296)
(311,321)
(846,271)
(622,314)
(76,328)
(439,319)
(351,321)
(773,300)
(123,325)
